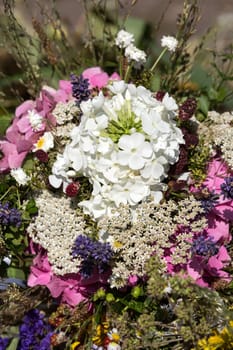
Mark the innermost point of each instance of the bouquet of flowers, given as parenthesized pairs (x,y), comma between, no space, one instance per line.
(116,210)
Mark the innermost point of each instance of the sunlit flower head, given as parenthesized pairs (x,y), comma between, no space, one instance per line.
(124,39)
(170,42)
(35,120)
(20,176)
(135,54)
(45,142)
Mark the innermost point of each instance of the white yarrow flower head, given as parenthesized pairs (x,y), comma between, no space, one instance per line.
(124,39)
(135,54)
(20,176)
(170,42)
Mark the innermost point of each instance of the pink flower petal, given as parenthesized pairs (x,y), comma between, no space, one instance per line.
(24,108)
(218,228)
(66,86)
(24,125)
(90,72)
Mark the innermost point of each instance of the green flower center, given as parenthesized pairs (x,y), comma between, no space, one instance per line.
(127,123)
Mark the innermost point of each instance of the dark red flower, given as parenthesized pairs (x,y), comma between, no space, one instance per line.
(42,156)
(72,189)
(159,95)
(179,167)
(187,109)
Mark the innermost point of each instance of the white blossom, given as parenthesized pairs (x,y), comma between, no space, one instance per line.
(170,42)
(124,39)
(124,145)
(35,120)
(45,142)
(135,54)
(20,176)
(134,151)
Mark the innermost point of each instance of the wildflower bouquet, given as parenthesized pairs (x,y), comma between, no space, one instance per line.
(116,210)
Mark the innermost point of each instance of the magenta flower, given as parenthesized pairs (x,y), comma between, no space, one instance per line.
(71,288)
(206,272)
(217,171)
(221,215)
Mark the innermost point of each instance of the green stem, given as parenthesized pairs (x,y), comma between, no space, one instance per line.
(18,198)
(4,195)
(121,66)
(158,59)
(127,73)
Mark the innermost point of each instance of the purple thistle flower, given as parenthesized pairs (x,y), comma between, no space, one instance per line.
(204,246)
(80,88)
(227,188)
(92,253)
(9,216)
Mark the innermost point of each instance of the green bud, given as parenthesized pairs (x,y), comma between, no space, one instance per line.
(110,297)
(100,294)
(136,292)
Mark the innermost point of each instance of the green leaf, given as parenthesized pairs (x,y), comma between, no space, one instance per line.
(134,305)
(13,272)
(155,83)
(28,164)
(137,27)
(213,94)
(31,207)
(203,104)
(13,344)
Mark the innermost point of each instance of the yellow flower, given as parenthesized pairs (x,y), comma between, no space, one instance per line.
(216,341)
(203,345)
(74,345)
(114,335)
(220,340)
(101,331)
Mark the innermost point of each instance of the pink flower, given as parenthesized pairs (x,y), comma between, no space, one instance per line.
(11,157)
(205,272)
(222,213)
(98,78)
(22,135)
(132,281)
(71,288)
(217,171)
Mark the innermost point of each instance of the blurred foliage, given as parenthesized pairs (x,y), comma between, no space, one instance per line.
(44,51)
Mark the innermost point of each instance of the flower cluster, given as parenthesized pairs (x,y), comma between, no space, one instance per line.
(34,332)
(9,216)
(113,221)
(32,120)
(125,40)
(124,145)
(93,253)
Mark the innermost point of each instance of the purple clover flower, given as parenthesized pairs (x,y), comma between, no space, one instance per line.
(227,188)
(80,88)
(9,216)
(34,332)
(92,253)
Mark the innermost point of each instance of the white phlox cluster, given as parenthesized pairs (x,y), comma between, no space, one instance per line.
(124,145)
